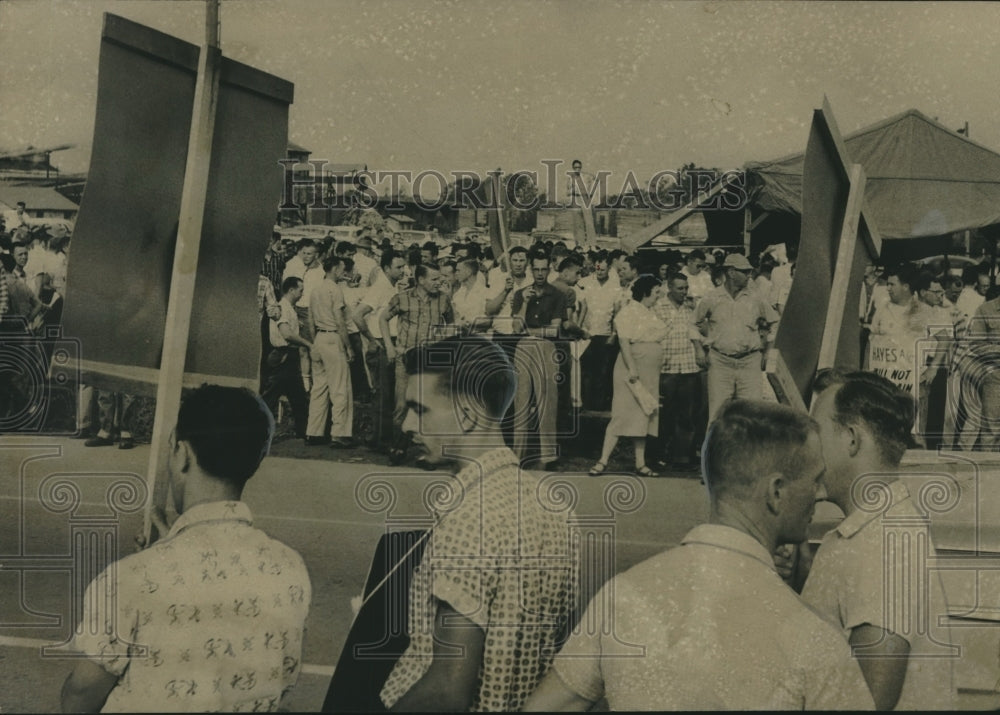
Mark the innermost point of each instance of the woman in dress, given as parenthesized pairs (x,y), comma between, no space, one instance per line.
(640,337)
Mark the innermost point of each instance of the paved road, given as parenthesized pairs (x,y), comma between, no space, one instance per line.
(312,504)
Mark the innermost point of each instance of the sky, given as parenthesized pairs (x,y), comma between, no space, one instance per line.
(636,85)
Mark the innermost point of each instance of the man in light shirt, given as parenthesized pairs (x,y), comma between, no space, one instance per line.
(681,617)
(375,300)
(469,298)
(600,292)
(698,276)
(867,577)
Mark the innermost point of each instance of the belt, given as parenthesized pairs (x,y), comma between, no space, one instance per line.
(736,356)
(320,330)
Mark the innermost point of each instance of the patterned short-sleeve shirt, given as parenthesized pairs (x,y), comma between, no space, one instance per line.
(211,618)
(503,559)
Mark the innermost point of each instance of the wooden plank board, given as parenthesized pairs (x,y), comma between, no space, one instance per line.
(182,285)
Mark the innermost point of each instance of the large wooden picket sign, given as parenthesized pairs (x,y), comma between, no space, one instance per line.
(819,327)
(178,209)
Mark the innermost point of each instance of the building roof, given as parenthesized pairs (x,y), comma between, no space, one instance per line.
(35,197)
(923,179)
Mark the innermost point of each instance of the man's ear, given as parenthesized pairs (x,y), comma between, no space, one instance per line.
(776,483)
(856,436)
(468,418)
(183,455)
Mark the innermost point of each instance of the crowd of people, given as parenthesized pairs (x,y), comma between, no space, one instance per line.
(741,615)
(655,342)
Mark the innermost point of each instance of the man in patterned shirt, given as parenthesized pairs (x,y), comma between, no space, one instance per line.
(497,583)
(421,311)
(211,617)
(680,381)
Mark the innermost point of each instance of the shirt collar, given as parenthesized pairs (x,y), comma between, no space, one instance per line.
(212,511)
(730,539)
(482,467)
(854,523)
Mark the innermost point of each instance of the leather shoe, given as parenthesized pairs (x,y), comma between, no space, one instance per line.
(126,443)
(341,442)
(314,441)
(98,442)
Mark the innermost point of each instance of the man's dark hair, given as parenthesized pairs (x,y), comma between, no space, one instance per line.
(421,270)
(330,261)
(559,251)
(907,274)
(633,262)
(517,249)
(576,161)
(750,439)
(696,253)
(572,259)
(876,403)
(675,276)
(537,255)
(305,243)
(643,286)
(290,283)
(345,248)
(229,430)
(924,280)
(474,250)
(476,372)
(430,247)
(447,262)
(615,255)
(348,264)
(387,258)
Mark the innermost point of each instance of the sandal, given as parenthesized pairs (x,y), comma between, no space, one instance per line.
(645,471)
(598,469)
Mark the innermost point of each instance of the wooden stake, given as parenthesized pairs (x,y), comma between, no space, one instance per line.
(182,283)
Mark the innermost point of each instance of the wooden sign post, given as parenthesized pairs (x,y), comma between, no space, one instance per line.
(838,239)
(182,284)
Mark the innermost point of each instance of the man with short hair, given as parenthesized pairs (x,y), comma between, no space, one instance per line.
(698,277)
(972,296)
(734,320)
(422,311)
(428,252)
(331,353)
(498,577)
(469,298)
(934,376)
(284,376)
(505,285)
(218,607)
(680,617)
(864,578)
(540,310)
(305,265)
(601,293)
(382,371)
(680,376)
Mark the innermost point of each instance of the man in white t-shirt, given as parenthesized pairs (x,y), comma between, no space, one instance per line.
(366,318)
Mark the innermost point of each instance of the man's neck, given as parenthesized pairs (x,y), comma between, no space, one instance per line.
(676,303)
(480,442)
(732,289)
(873,471)
(726,513)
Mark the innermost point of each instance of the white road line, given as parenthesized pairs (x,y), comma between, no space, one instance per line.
(14,642)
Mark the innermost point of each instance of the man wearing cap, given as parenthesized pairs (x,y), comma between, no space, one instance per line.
(735,320)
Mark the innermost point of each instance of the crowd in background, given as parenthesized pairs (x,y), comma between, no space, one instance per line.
(560,313)
(655,341)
